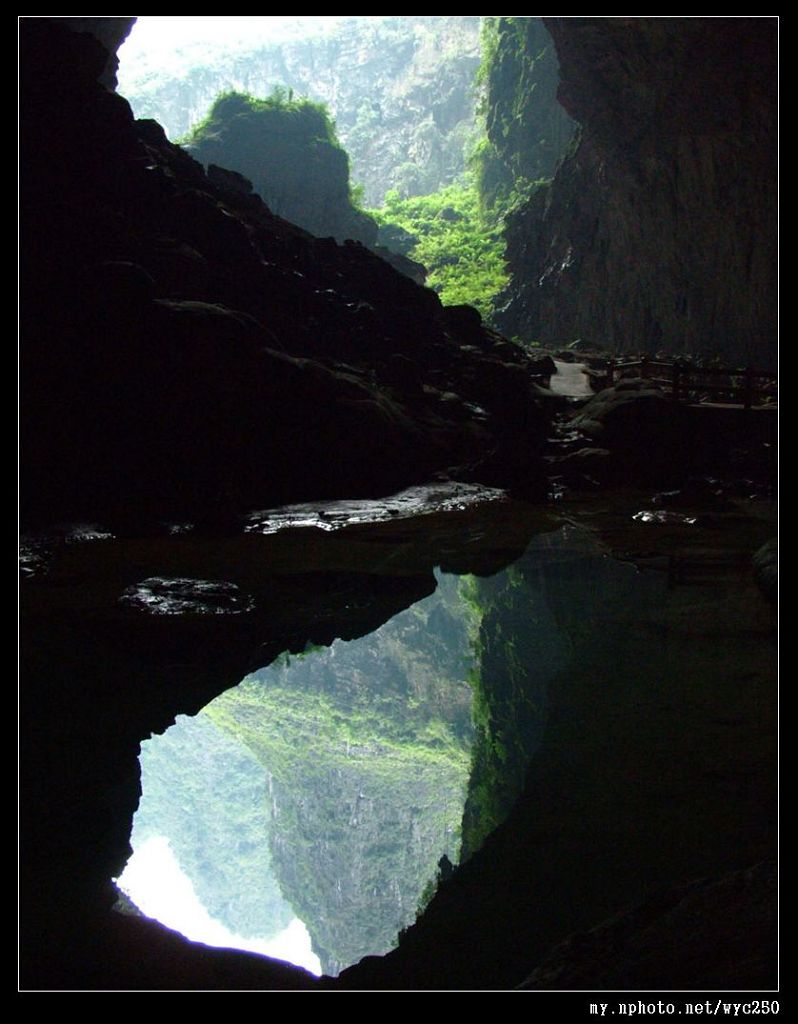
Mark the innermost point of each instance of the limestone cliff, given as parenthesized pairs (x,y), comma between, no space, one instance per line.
(527,132)
(365,747)
(400,89)
(659,229)
(289,151)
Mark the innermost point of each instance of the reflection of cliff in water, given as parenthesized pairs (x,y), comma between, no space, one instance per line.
(643,698)
(564,606)
(327,785)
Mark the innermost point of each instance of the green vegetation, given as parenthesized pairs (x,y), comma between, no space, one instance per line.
(456,240)
(300,118)
(526,131)
(521,134)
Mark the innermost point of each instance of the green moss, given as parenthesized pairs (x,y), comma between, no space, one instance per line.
(459,245)
(527,132)
(303,118)
(289,150)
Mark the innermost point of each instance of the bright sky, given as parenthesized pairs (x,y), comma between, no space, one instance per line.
(157,33)
(155,882)
(168,46)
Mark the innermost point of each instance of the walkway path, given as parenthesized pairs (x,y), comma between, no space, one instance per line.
(571,380)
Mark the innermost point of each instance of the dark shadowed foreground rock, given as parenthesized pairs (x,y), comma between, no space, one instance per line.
(650,438)
(644,432)
(766,569)
(696,936)
(184,350)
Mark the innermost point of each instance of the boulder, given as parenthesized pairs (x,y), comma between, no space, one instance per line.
(766,569)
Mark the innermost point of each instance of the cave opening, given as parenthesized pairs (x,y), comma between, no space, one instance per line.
(191,356)
(372,129)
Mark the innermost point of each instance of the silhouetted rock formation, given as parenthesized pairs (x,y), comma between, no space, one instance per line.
(289,151)
(186,350)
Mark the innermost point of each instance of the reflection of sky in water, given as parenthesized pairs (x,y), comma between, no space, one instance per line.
(155,882)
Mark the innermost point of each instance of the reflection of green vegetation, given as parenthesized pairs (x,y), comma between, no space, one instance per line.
(307,718)
(362,807)
(365,747)
(514,654)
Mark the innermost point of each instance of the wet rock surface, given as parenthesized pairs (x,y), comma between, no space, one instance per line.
(159,596)
(427,500)
(634,431)
(766,568)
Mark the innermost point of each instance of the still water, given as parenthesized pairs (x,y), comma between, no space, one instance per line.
(611,660)
(314,807)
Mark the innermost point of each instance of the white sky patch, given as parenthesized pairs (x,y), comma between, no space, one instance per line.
(155,882)
(161,47)
(167,37)
(166,32)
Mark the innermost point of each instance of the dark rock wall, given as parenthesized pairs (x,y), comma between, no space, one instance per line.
(659,229)
(111,32)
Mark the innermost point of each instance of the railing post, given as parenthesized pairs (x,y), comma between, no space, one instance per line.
(748,393)
(610,373)
(677,373)
(643,365)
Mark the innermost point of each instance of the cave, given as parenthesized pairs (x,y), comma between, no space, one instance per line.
(245,438)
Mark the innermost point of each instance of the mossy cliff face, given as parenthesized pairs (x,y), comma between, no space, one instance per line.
(527,132)
(288,149)
(659,229)
(364,746)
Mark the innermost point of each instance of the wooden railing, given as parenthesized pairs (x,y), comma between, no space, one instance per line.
(685,382)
